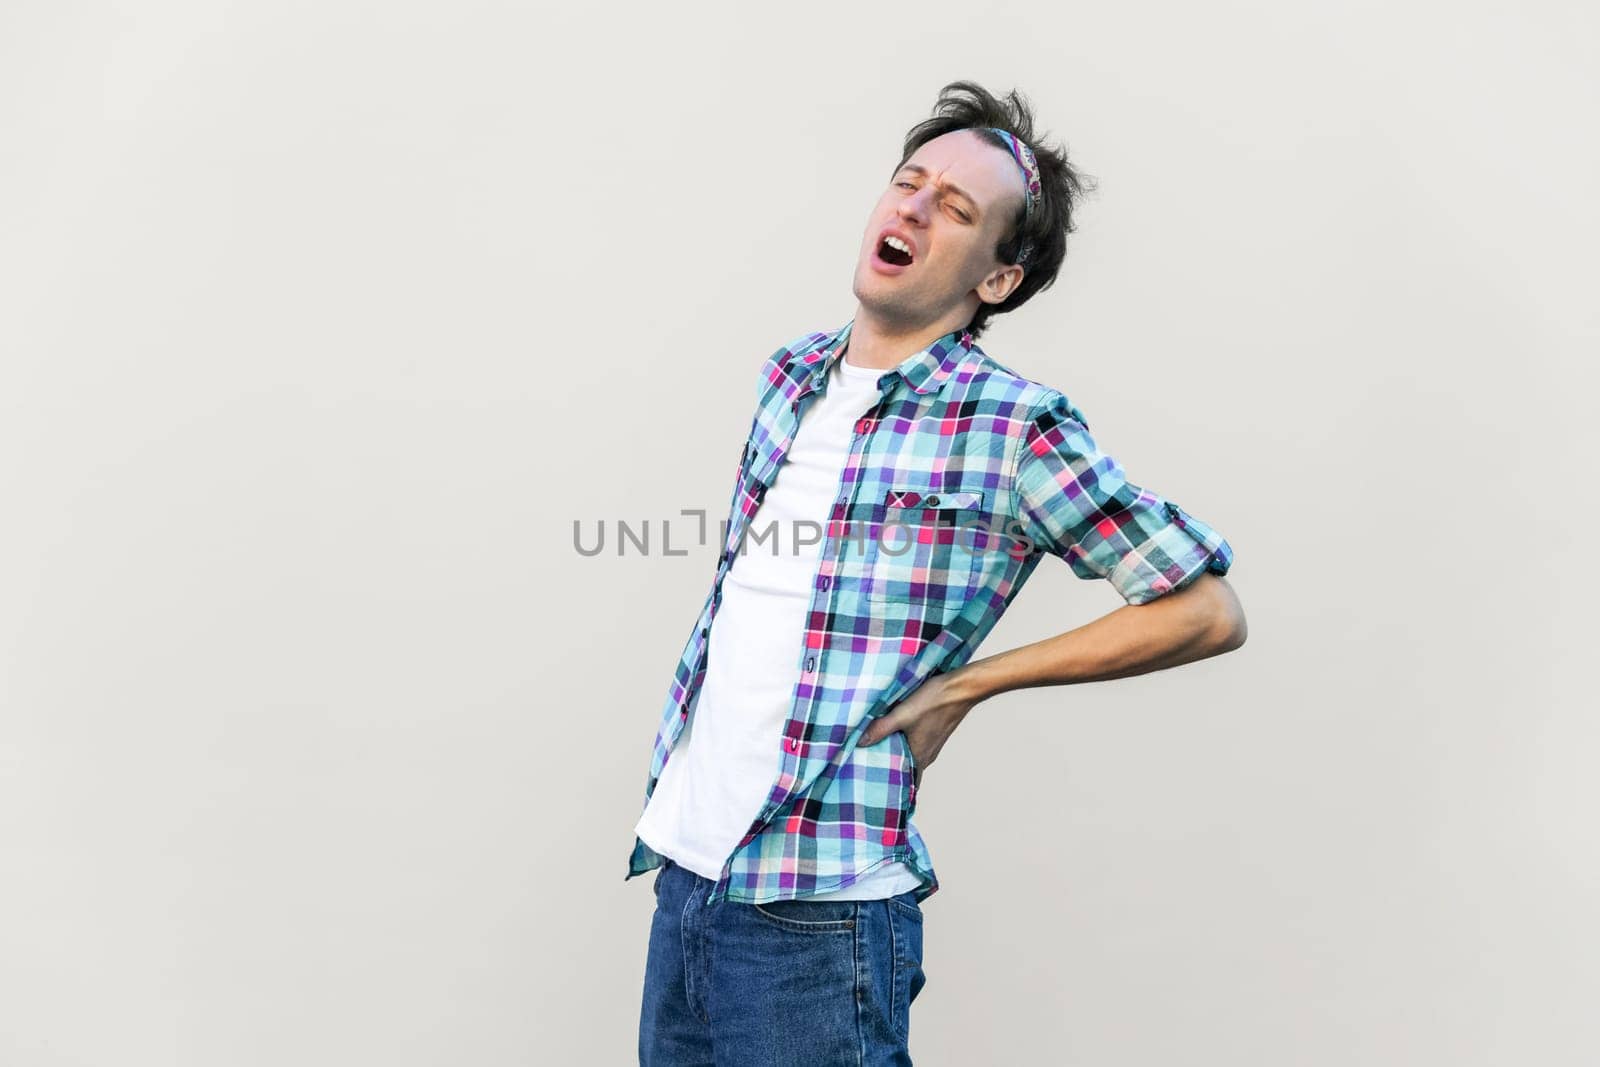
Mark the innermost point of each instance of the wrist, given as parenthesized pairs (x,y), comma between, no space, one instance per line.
(972,683)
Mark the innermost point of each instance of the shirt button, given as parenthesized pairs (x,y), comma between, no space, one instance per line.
(704,630)
(789,743)
(811,662)
(825,582)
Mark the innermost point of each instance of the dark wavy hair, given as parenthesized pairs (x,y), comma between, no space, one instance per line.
(966,105)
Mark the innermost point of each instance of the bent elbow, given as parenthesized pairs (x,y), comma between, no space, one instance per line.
(1229,629)
(1235,633)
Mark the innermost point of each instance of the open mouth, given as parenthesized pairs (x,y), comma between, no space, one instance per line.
(891,250)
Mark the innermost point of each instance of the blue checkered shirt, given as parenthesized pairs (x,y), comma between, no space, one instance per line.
(959,480)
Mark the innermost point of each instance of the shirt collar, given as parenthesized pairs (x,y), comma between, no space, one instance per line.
(925,371)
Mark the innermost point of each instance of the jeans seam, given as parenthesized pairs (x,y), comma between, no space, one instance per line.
(894,969)
(862,992)
(689,959)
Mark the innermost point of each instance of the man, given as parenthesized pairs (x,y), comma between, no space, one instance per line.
(788,923)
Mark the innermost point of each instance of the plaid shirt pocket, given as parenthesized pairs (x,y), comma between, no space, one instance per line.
(917,546)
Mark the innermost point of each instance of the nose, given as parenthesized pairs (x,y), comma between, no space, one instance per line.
(915,207)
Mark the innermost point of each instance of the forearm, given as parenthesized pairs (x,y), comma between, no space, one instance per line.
(1196,622)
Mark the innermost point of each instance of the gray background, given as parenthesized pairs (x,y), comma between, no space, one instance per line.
(320,744)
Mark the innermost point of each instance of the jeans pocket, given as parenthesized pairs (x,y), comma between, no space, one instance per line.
(809,916)
(905,916)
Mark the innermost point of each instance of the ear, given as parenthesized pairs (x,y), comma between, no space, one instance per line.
(1000,284)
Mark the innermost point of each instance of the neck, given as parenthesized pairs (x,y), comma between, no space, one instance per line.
(883,345)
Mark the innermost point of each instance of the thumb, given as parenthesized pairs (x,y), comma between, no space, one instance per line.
(879,728)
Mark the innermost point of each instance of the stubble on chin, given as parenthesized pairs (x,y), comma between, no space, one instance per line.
(894,310)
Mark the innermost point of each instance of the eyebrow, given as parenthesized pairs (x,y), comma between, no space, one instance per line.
(918,168)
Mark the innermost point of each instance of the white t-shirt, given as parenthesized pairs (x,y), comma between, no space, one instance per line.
(725,760)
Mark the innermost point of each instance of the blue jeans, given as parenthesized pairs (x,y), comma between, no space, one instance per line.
(808,983)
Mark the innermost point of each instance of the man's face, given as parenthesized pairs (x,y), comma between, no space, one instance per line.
(951,203)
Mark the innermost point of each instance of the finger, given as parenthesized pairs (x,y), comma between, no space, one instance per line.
(879,728)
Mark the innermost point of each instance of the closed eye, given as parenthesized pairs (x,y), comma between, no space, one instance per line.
(962,215)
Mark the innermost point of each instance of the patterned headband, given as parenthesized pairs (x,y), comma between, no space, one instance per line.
(1030,177)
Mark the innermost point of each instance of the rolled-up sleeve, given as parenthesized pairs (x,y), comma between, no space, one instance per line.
(1076,502)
